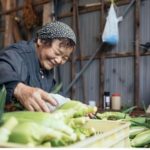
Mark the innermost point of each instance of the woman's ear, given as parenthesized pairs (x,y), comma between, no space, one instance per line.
(39,42)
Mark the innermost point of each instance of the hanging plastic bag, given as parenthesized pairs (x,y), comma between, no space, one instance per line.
(111,33)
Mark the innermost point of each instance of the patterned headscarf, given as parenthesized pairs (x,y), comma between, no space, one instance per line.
(56,30)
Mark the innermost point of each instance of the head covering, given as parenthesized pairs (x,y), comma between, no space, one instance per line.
(56,30)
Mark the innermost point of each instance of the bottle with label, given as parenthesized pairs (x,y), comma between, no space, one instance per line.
(116,101)
(106,101)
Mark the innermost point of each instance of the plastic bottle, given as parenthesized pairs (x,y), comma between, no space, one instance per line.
(106,101)
(116,101)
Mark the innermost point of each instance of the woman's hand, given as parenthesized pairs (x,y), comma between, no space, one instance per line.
(33,99)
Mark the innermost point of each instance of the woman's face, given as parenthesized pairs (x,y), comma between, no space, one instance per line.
(51,56)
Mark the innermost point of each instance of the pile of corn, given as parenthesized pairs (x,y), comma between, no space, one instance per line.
(60,128)
(139,133)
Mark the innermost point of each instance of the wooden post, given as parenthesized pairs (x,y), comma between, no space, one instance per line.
(102,59)
(48,11)
(16,33)
(137,53)
(77,26)
(20,8)
(73,63)
(8,38)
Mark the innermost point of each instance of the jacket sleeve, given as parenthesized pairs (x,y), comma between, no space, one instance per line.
(12,71)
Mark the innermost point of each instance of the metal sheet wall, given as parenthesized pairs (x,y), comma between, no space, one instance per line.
(145,60)
(119,72)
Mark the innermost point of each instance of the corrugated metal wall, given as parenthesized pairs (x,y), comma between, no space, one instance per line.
(119,72)
(145,60)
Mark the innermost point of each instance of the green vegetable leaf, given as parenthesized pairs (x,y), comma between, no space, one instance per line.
(57,88)
(2,99)
(129,110)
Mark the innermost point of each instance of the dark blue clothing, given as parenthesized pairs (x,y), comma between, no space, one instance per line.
(19,63)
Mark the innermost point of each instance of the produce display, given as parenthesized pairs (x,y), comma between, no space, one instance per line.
(60,128)
(65,126)
(139,129)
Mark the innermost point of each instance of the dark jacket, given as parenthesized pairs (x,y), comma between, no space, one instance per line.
(19,63)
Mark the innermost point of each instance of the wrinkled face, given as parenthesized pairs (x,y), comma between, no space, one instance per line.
(51,56)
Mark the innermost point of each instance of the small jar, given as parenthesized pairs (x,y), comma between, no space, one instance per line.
(106,101)
(116,101)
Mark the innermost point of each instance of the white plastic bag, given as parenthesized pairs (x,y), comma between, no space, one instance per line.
(59,98)
(111,33)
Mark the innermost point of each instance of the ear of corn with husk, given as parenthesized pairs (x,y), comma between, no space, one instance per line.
(79,108)
(58,128)
(141,139)
(6,129)
(135,130)
(32,134)
(44,119)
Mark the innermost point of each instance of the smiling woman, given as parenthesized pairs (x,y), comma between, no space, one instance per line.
(54,52)
(29,78)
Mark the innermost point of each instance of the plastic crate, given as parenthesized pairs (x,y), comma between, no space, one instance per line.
(109,134)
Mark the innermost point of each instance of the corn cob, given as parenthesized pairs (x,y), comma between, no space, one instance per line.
(86,131)
(137,120)
(80,135)
(60,143)
(111,115)
(6,129)
(141,139)
(44,119)
(32,134)
(135,130)
(46,144)
(63,114)
(77,122)
(79,108)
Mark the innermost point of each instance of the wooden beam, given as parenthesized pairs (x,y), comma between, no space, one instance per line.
(8,38)
(73,62)
(48,11)
(102,59)
(6,12)
(80,46)
(115,55)
(16,31)
(137,53)
(2,29)
(93,7)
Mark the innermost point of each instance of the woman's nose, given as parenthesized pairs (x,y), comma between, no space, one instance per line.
(58,60)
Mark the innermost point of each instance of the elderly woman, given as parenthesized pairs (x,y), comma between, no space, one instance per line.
(26,67)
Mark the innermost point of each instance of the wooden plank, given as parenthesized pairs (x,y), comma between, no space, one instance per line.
(48,11)
(93,7)
(115,55)
(137,53)
(73,62)
(3,3)
(80,48)
(16,33)
(2,29)
(8,39)
(6,12)
(102,59)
